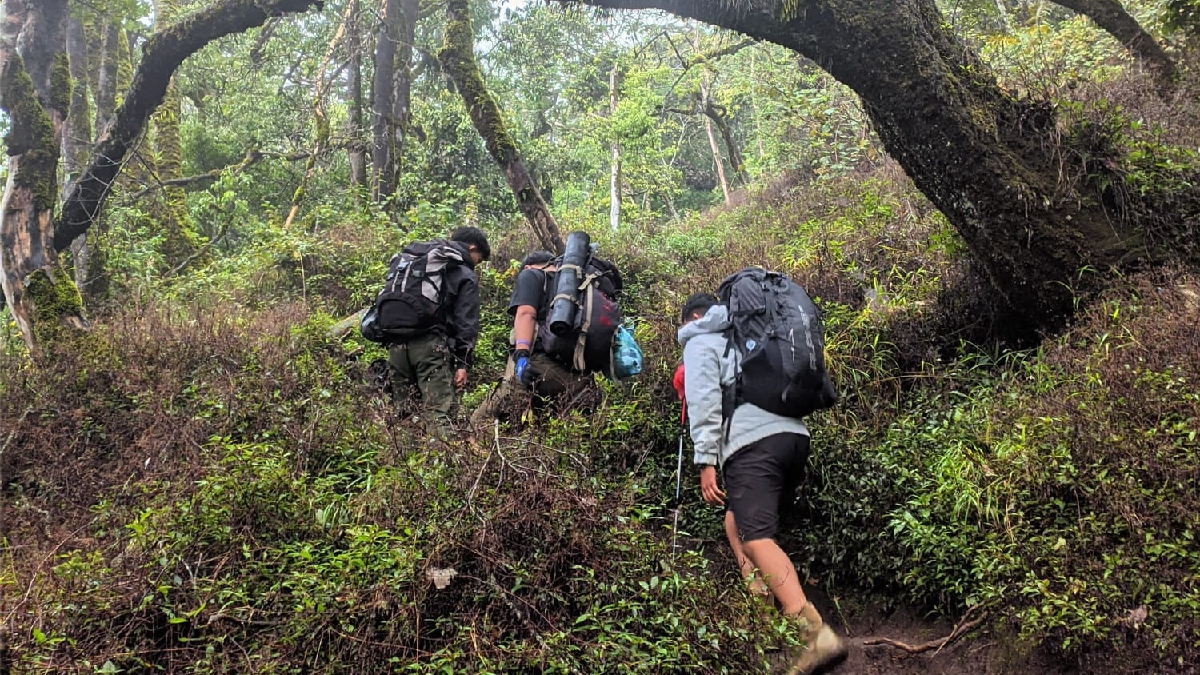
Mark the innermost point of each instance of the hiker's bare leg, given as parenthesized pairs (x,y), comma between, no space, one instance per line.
(743,561)
(780,574)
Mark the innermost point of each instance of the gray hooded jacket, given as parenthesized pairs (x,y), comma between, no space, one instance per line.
(708,370)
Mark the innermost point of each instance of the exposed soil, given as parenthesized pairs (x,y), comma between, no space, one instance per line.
(977,653)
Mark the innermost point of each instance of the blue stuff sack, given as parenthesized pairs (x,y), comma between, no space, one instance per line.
(627,355)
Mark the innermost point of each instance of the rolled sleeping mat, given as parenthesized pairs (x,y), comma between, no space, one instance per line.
(565,305)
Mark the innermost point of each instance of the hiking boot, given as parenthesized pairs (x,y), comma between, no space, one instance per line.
(822,648)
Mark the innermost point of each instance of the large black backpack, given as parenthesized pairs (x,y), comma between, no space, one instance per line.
(777,330)
(587,344)
(414,291)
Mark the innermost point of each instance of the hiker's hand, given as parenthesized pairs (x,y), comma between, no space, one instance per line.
(460,379)
(708,486)
(525,373)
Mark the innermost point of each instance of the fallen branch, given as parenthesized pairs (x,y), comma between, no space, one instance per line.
(962,628)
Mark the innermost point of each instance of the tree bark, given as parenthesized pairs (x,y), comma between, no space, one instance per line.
(382,98)
(357,154)
(35,93)
(106,81)
(457,57)
(77,140)
(1032,212)
(180,241)
(614,178)
(1111,16)
(162,54)
(401,118)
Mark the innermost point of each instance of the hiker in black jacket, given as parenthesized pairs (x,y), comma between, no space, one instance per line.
(435,363)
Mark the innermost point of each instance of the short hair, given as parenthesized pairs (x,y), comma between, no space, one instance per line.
(473,236)
(537,258)
(698,303)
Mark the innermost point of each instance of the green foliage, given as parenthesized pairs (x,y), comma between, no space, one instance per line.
(1183,15)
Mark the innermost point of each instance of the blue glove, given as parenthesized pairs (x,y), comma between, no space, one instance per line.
(525,373)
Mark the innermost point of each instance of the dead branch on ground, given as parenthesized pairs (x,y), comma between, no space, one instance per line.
(963,627)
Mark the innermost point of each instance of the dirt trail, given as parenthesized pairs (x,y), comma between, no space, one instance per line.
(979,653)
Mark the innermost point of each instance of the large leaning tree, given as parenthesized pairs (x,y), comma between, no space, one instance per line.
(35,92)
(1045,208)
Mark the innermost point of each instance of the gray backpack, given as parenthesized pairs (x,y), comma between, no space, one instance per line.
(413,293)
(777,330)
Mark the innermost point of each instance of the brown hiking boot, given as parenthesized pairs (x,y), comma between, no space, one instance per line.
(822,648)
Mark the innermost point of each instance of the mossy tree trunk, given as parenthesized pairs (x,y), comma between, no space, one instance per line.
(112,71)
(1112,16)
(320,117)
(457,57)
(1037,217)
(181,244)
(35,93)
(161,55)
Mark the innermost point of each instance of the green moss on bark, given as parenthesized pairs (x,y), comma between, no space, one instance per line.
(31,134)
(60,84)
(458,58)
(56,301)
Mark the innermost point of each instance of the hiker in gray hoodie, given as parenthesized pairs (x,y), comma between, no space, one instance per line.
(762,457)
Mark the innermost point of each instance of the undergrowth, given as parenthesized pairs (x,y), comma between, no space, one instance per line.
(217,486)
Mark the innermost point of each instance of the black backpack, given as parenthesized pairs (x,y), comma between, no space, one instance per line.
(777,330)
(413,292)
(587,345)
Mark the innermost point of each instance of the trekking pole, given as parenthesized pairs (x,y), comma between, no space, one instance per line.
(678,477)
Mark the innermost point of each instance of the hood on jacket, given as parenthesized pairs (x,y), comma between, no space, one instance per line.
(715,320)
(464,248)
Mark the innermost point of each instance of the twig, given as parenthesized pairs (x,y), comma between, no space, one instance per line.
(962,628)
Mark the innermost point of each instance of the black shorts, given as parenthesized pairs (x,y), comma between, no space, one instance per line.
(759,477)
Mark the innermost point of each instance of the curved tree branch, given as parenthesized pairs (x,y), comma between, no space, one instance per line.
(162,55)
(1111,16)
(1032,212)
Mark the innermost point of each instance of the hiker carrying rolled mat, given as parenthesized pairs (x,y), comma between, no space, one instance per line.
(762,456)
(566,326)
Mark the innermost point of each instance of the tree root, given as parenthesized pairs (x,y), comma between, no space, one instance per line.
(963,627)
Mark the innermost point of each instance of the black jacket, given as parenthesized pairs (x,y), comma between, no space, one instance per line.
(461,309)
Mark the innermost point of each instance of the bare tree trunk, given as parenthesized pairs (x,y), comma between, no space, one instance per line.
(1111,16)
(1002,10)
(614,179)
(357,152)
(382,93)
(35,93)
(77,141)
(457,57)
(1034,214)
(162,54)
(712,140)
(401,119)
